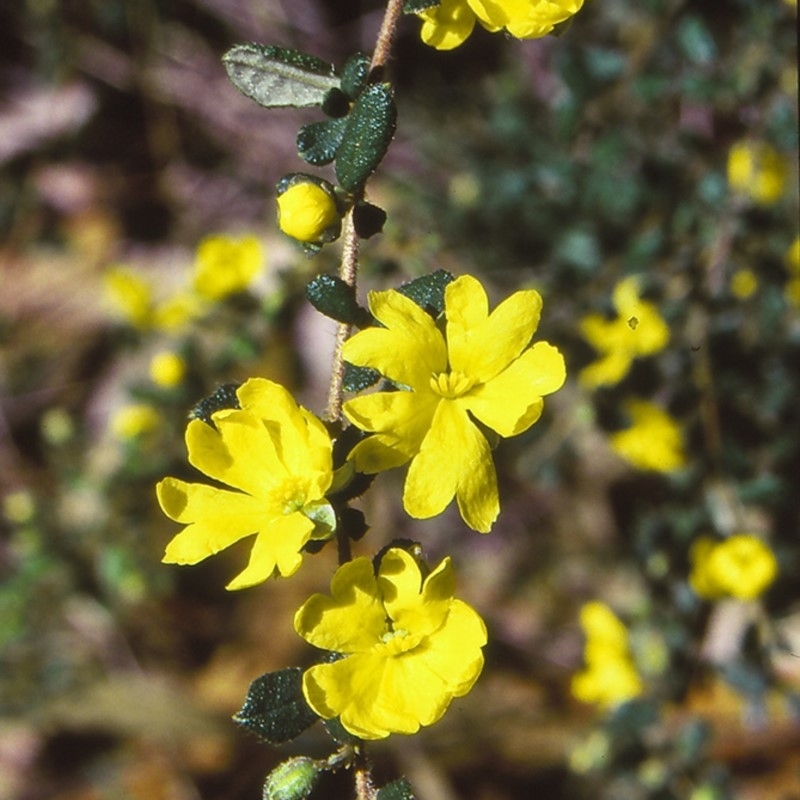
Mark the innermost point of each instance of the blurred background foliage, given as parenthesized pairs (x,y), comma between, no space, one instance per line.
(564,164)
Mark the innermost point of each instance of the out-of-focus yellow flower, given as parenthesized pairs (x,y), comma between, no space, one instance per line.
(744,284)
(451,22)
(483,367)
(276,456)
(178,311)
(410,646)
(639,330)
(167,369)
(610,676)
(792,261)
(224,265)
(653,442)
(19,506)
(133,421)
(131,294)
(758,171)
(741,566)
(307,212)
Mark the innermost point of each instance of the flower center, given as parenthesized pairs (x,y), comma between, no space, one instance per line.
(451,384)
(395,642)
(290,495)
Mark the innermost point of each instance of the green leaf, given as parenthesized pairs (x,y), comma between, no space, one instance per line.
(318,142)
(428,291)
(336,299)
(275,709)
(223,397)
(338,732)
(324,518)
(356,379)
(396,790)
(368,219)
(276,77)
(415,6)
(294,779)
(370,127)
(354,75)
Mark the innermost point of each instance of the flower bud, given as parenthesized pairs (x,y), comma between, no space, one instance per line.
(307,209)
(294,779)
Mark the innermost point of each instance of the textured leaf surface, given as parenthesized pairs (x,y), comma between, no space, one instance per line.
(396,790)
(428,291)
(334,298)
(318,142)
(276,76)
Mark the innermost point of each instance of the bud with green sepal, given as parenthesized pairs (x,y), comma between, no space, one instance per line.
(309,210)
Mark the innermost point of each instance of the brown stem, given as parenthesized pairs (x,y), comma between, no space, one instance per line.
(383,45)
(365,788)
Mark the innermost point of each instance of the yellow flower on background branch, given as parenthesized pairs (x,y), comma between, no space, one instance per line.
(638,330)
(450,23)
(654,440)
(409,646)
(276,457)
(482,368)
(741,566)
(609,676)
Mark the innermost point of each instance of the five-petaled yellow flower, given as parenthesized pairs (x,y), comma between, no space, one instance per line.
(482,367)
(609,676)
(450,23)
(654,440)
(410,647)
(276,456)
(741,566)
(638,330)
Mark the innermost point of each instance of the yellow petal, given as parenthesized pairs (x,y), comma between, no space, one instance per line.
(512,402)
(216,519)
(454,459)
(353,619)
(376,454)
(447,25)
(481,345)
(408,350)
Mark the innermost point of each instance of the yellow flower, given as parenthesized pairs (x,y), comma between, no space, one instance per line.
(792,260)
(307,212)
(178,311)
(653,442)
(741,566)
(410,647)
(757,170)
(224,265)
(744,284)
(276,456)
(167,369)
(451,22)
(134,420)
(638,330)
(131,294)
(610,676)
(483,367)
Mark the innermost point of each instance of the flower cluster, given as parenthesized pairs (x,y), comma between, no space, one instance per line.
(483,367)
(409,645)
(638,330)
(741,566)
(653,441)
(450,23)
(609,676)
(276,457)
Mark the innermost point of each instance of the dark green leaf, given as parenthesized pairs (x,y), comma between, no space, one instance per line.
(368,219)
(336,299)
(428,291)
(336,103)
(276,76)
(396,790)
(318,142)
(275,709)
(415,6)
(354,75)
(356,379)
(338,732)
(223,397)
(370,127)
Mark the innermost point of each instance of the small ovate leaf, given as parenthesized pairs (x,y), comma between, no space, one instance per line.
(223,397)
(355,73)
(338,732)
(275,709)
(428,291)
(336,103)
(415,6)
(318,142)
(336,299)
(368,219)
(356,379)
(324,518)
(294,779)
(396,790)
(276,77)
(370,128)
